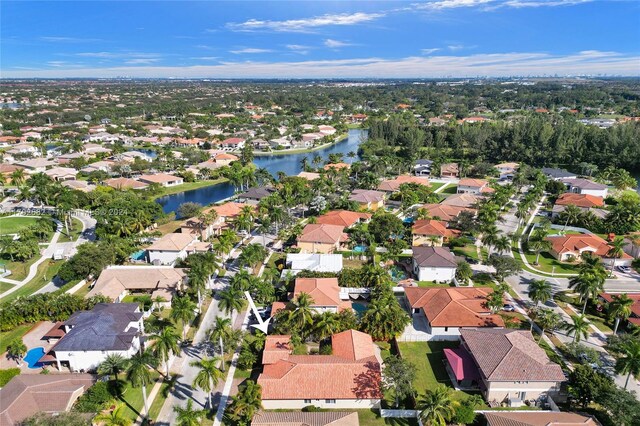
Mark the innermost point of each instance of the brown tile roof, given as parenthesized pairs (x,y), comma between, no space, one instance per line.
(299,418)
(510,355)
(322,233)
(160,178)
(323,291)
(28,394)
(324,376)
(124,183)
(172,242)
(435,257)
(432,227)
(392,185)
(580,200)
(113,281)
(553,418)
(461,200)
(450,168)
(353,345)
(366,196)
(276,347)
(454,307)
(476,183)
(635,308)
(309,175)
(573,243)
(344,218)
(337,166)
(444,212)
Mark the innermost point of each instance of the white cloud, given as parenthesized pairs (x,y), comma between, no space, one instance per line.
(335,44)
(250,50)
(52,39)
(305,24)
(454,47)
(494,4)
(430,51)
(205,58)
(451,4)
(298,48)
(142,61)
(588,62)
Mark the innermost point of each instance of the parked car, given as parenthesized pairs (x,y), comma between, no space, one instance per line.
(508,307)
(625,269)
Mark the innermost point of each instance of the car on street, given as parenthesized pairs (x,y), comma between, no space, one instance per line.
(508,307)
(624,269)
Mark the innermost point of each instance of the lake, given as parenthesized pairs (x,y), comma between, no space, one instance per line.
(289,164)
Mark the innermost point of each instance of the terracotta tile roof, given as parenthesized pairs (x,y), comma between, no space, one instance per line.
(160,178)
(635,308)
(124,183)
(435,257)
(323,233)
(445,212)
(353,345)
(113,281)
(299,418)
(450,168)
(323,291)
(432,227)
(309,175)
(172,242)
(324,376)
(553,418)
(28,394)
(225,156)
(338,166)
(461,200)
(580,200)
(230,209)
(366,196)
(344,218)
(276,347)
(574,243)
(392,185)
(476,183)
(232,141)
(510,355)
(454,306)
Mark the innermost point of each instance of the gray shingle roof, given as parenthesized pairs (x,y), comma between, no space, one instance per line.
(101,329)
(557,173)
(434,257)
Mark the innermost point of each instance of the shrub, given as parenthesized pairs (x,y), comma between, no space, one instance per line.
(7,375)
(95,398)
(464,414)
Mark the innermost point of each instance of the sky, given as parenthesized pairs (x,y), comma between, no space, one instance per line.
(319,39)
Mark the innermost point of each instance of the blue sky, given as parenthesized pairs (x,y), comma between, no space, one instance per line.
(316,39)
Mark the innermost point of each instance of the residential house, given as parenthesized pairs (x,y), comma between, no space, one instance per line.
(336,166)
(444,212)
(349,378)
(309,175)
(327,130)
(36,165)
(232,144)
(447,310)
(79,185)
(125,183)
(280,143)
(91,336)
(368,199)
(324,292)
(316,262)
(6,170)
(344,218)
(632,245)
(173,247)
(24,149)
(538,418)
(422,167)
(584,202)
(430,232)
(225,213)
(634,318)
(224,158)
(321,238)
(434,264)
(61,173)
(162,179)
(98,166)
(449,170)
(255,194)
(437,121)
(28,394)
(585,186)
(511,366)
(557,174)
(116,282)
(474,186)
(393,185)
(301,418)
(462,200)
(507,170)
(570,247)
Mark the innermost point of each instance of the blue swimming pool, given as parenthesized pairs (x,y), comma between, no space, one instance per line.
(33,356)
(408,220)
(397,274)
(359,249)
(359,307)
(139,255)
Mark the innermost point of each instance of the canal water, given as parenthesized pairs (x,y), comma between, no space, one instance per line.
(289,164)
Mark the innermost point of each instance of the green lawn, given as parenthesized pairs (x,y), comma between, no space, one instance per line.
(436,185)
(74,230)
(13,225)
(7,375)
(372,418)
(547,264)
(7,336)
(432,284)
(451,189)
(132,397)
(468,250)
(4,287)
(428,357)
(46,271)
(19,270)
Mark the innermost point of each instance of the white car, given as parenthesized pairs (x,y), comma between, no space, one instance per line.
(625,269)
(508,307)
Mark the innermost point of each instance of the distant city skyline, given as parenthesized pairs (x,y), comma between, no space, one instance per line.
(280,39)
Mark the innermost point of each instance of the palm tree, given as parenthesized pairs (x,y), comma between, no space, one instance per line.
(579,327)
(540,291)
(326,324)
(588,284)
(165,344)
(617,250)
(490,236)
(115,417)
(620,308)
(537,245)
(112,364)
(139,375)
(188,416)
(230,300)
(18,177)
(464,271)
(570,214)
(208,375)
(437,406)
(548,320)
(222,331)
(16,350)
(502,244)
(247,402)
(304,163)
(629,362)
(300,313)
(183,310)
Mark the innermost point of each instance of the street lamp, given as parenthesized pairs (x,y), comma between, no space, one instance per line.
(553,270)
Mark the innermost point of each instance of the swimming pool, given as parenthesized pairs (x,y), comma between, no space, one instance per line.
(33,356)
(397,274)
(359,249)
(139,255)
(408,220)
(359,307)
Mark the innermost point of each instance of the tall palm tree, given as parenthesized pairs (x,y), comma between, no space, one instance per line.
(183,310)
(300,313)
(113,364)
(540,291)
(629,362)
(548,320)
(620,308)
(490,236)
(208,375)
(436,407)
(230,300)
(164,344)
(617,249)
(538,244)
(139,375)
(221,331)
(115,417)
(326,325)
(570,214)
(579,327)
(588,284)
(247,402)
(502,244)
(188,416)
